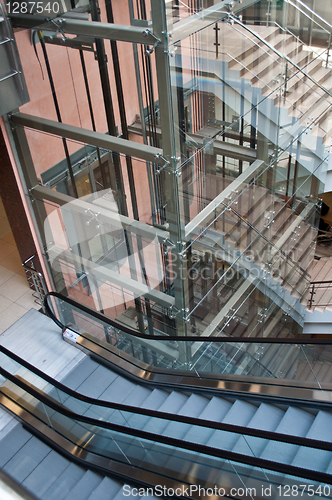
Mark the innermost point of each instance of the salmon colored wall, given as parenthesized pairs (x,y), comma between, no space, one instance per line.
(69,84)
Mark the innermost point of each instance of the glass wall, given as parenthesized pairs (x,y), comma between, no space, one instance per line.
(173,160)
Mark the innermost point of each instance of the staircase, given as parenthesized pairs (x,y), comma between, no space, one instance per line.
(322,271)
(254,72)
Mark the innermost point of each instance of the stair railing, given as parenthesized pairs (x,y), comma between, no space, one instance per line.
(311,12)
(286,72)
(316,285)
(178,372)
(279,54)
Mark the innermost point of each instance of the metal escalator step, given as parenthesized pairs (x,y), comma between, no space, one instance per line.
(97,383)
(106,490)
(240,413)
(138,396)
(193,407)
(80,373)
(12,443)
(27,458)
(64,483)
(46,473)
(295,422)
(118,390)
(321,429)
(173,404)
(85,486)
(267,417)
(153,402)
(215,411)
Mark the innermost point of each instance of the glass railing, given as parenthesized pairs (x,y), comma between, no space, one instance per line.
(295,360)
(193,451)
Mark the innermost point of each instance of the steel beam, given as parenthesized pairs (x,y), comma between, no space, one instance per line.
(105,214)
(104,274)
(206,17)
(85,136)
(208,212)
(94,29)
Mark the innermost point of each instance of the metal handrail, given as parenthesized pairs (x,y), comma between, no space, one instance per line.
(188,338)
(312,12)
(328,284)
(286,58)
(171,441)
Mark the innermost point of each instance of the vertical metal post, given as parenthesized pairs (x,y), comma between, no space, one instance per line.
(216,43)
(159,23)
(109,110)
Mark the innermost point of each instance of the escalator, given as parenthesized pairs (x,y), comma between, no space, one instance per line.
(114,420)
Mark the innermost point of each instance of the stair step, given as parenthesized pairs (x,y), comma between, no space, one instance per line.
(26,459)
(267,417)
(61,487)
(321,429)
(324,271)
(193,407)
(240,413)
(173,404)
(46,473)
(216,410)
(85,486)
(106,490)
(80,373)
(295,422)
(118,390)
(98,382)
(12,443)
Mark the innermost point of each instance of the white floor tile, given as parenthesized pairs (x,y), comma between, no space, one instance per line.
(10,315)
(4,304)
(5,274)
(14,288)
(27,300)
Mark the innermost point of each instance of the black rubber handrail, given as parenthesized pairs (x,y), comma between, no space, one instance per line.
(170,441)
(237,429)
(167,338)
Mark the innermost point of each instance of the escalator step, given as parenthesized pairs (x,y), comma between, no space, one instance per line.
(80,373)
(152,402)
(295,422)
(215,410)
(106,490)
(321,429)
(85,486)
(267,417)
(64,483)
(240,413)
(46,473)
(117,390)
(97,383)
(173,404)
(193,407)
(12,443)
(26,459)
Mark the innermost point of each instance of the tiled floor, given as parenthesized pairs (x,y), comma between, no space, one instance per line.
(15,295)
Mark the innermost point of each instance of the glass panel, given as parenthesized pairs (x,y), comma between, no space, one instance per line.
(196,469)
(214,357)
